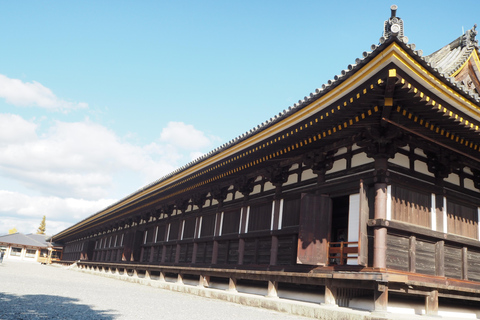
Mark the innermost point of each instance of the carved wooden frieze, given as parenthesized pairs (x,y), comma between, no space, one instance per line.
(219,193)
(277,174)
(441,164)
(245,185)
(381,142)
(319,161)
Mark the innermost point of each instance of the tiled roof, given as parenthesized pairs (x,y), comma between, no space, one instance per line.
(451,57)
(33,240)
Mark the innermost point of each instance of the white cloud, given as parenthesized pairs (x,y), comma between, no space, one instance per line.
(25,212)
(184,136)
(14,129)
(86,160)
(30,94)
(69,171)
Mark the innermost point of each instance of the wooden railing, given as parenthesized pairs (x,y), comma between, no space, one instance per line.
(340,252)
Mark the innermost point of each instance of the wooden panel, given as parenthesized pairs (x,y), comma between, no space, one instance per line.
(462,220)
(208,226)
(208,252)
(146,254)
(186,250)
(260,217)
(157,254)
(232,252)
(453,262)
(287,250)
(473,260)
(397,252)
(315,229)
(174,227)
(222,252)
(161,233)
(249,254)
(411,206)
(189,228)
(200,257)
(137,245)
(291,212)
(231,221)
(263,250)
(425,257)
(170,253)
(362,226)
(150,234)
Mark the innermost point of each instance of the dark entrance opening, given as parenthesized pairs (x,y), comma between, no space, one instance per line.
(340,207)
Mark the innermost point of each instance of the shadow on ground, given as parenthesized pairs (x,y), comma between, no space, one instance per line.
(41,306)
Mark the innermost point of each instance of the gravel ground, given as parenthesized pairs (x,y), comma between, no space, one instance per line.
(33,291)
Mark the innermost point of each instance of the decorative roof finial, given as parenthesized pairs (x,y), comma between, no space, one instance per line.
(469,38)
(393,27)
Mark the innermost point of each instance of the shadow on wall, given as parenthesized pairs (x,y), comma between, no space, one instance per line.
(41,306)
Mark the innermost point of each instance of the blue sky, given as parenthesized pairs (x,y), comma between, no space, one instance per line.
(98,98)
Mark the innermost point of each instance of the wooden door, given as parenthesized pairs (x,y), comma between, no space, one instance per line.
(315,229)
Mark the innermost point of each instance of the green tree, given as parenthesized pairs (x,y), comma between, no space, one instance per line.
(42,227)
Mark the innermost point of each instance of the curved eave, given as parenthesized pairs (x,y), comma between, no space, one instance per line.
(391,52)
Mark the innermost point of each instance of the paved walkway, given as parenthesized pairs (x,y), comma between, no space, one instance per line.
(34,291)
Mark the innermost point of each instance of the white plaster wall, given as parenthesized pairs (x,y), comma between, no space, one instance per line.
(468,184)
(338,165)
(355,147)
(341,151)
(238,195)
(268,186)
(291,179)
(400,160)
(421,167)
(308,174)
(360,159)
(256,189)
(453,178)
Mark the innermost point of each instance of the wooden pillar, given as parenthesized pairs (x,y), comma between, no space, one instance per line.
(330,293)
(204,281)
(440,258)
(412,254)
(272,291)
(464,263)
(380,297)
(380,233)
(180,278)
(232,284)
(161,276)
(431,303)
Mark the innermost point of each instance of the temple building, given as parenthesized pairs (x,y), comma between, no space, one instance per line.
(366,191)
(29,247)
